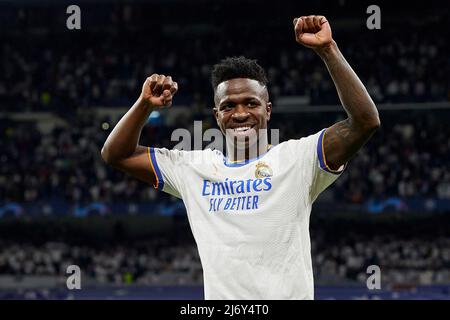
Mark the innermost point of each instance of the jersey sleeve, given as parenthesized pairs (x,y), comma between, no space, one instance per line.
(167,165)
(313,166)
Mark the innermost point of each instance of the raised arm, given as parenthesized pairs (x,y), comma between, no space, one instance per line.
(343,139)
(121,149)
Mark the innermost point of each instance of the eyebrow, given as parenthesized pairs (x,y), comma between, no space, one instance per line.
(228,100)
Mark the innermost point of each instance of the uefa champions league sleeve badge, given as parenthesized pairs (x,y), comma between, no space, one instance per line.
(263,170)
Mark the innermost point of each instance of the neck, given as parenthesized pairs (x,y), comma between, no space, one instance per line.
(237,152)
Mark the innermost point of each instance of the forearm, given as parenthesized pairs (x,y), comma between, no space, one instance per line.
(343,139)
(123,140)
(354,97)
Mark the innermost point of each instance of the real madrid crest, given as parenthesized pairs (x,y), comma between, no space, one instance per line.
(263,170)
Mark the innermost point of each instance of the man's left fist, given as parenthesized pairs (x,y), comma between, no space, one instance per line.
(313,31)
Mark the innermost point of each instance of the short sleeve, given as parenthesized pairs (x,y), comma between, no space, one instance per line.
(166,165)
(313,165)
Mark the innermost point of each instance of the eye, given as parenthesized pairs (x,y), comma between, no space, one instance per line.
(226,107)
(252,104)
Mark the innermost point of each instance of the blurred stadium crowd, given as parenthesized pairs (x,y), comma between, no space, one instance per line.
(105,63)
(59,70)
(41,75)
(407,159)
(403,261)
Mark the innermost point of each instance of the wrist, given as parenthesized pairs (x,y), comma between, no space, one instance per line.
(327,50)
(145,104)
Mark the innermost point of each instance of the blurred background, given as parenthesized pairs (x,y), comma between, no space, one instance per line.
(62,91)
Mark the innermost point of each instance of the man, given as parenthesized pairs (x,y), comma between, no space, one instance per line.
(249,211)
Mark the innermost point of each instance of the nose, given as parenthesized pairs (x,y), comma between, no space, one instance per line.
(240,113)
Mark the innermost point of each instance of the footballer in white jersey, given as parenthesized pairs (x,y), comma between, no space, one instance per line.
(249,211)
(250,219)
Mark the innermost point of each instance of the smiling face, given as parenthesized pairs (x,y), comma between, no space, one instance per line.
(242,107)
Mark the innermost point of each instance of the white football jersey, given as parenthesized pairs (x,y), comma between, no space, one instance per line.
(250,219)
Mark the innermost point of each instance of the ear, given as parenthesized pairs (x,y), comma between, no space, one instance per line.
(268,110)
(216,114)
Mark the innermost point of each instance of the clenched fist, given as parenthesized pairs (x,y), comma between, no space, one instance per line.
(158,90)
(313,31)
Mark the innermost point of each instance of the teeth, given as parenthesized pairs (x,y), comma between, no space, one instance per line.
(241,129)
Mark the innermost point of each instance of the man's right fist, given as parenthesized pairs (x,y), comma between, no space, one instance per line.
(158,90)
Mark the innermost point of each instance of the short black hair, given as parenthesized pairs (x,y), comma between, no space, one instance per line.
(237,67)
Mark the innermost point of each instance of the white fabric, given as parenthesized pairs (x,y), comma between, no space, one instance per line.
(260,247)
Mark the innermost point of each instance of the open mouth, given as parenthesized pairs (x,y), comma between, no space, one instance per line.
(242,131)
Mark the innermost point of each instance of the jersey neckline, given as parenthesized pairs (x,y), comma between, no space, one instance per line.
(232,164)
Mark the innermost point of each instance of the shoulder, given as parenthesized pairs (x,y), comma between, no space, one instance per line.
(189,156)
(306,141)
(305,146)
